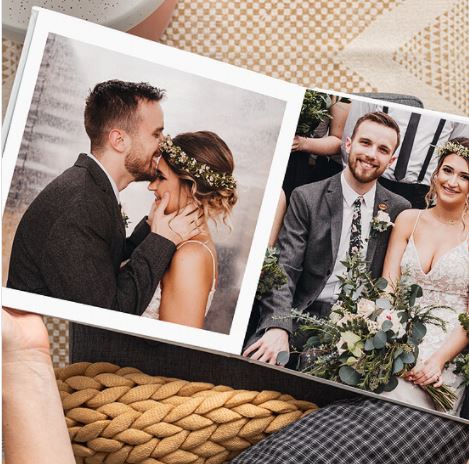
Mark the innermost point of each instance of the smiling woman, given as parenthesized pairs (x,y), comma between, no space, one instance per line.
(432,247)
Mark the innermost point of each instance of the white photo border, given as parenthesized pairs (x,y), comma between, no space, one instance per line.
(46,22)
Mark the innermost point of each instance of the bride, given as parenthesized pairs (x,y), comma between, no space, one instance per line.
(432,244)
(194,167)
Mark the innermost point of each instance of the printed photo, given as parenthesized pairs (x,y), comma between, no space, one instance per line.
(137,187)
(366,278)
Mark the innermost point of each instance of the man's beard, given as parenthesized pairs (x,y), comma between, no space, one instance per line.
(141,171)
(358,174)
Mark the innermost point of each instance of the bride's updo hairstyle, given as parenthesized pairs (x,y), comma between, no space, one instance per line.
(457,146)
(206,170)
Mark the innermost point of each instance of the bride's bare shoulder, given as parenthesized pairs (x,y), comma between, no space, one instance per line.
(405,221)
(193,256)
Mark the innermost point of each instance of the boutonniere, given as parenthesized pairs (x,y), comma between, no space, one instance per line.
(382,221)
(125,218)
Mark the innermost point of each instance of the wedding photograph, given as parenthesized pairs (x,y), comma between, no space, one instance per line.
(137,188)
(366,278)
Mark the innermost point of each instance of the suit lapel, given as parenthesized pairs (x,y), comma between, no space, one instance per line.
(334,200)
(102,181)
(382,199)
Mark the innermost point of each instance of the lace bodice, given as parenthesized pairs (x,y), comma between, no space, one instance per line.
(153,309)
(445,284)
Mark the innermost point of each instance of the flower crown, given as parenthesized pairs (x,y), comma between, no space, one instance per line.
(202,171)
(453,147)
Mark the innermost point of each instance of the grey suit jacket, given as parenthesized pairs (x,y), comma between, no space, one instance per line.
(70,244)
(308,245)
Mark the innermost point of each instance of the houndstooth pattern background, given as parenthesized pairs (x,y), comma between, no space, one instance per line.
(406,46)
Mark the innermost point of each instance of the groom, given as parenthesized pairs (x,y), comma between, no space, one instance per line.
(325,221)
(71,244)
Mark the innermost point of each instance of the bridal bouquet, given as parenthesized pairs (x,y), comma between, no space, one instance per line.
(462,360)
(372,334)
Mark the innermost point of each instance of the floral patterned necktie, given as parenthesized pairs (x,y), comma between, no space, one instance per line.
(356,244)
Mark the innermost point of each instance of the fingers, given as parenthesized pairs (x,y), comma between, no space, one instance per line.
(159,211)
(439,382)
(189,210)
(425,376)
(251,348)
(264,354)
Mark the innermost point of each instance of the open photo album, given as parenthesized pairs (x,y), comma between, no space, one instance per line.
(153,192)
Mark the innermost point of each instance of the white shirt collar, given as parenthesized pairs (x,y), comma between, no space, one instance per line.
(350,195)
(113,184)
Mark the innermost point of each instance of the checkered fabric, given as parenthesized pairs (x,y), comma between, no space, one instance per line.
(362,431)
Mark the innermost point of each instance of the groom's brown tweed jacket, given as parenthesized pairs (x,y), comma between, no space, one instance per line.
(70,244)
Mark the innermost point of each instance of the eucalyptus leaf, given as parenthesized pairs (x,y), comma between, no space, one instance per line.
(397,366)
(403,316)
(349,375)
(383,303)
(408,357)
(358,292)
(313,341)
(415,292)
(398,352)
(369,346)
(379,340)
(392,384)
(386,325)
(419,330)
(381,283)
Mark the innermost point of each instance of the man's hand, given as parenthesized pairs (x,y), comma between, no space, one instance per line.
(175,227)
(268,347)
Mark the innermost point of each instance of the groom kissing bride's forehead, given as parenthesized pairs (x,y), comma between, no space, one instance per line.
(71,242)
(126,119)
(324,221)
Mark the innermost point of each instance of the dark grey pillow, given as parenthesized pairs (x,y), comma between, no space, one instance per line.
(394,98)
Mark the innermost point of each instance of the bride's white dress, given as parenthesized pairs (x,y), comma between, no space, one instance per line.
(153,308)
(446,283)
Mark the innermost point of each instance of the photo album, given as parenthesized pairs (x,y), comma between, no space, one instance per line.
(154,192)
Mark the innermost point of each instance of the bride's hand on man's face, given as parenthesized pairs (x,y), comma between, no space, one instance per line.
(427,373)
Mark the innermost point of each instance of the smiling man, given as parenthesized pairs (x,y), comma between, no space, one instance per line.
(325,221)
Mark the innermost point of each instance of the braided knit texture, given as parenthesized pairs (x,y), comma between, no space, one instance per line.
(120,415)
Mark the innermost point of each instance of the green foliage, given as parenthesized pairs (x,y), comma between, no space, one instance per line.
(315,109)
(272,275)
(464,320)
(372,334)
(461,363)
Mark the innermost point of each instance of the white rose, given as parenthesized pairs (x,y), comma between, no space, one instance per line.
(337,306)
(339,346)
(365,308)
(335,317)
(348,317)
(382,216)
(390,315)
